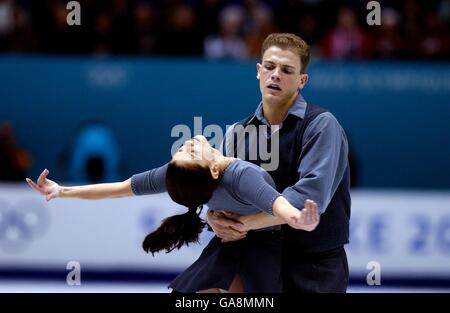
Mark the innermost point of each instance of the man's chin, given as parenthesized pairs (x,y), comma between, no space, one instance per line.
(273,97)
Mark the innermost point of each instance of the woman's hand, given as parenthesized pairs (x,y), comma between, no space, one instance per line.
(45,187)
(307,219)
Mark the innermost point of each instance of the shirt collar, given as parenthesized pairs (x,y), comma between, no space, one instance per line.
(298,109)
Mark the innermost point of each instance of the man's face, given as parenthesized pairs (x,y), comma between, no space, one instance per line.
(279,75)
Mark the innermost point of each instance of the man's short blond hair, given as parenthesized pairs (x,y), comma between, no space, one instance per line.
(291,42)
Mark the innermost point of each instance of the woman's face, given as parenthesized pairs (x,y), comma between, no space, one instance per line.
(197,150)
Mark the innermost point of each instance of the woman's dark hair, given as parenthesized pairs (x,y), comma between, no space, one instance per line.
(191,185)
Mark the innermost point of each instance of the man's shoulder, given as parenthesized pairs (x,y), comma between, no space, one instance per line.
(313,110)
(320,115)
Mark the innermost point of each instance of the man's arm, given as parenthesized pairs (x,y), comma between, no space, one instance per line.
(323,162)
(231,226)
(226,225)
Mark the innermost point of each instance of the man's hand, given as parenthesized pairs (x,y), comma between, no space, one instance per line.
(45,187)
(226,226)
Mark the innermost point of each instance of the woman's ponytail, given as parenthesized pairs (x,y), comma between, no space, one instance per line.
(189,185)
(175,231)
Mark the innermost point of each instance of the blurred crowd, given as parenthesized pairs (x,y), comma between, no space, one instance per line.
(14,160)
(226,29)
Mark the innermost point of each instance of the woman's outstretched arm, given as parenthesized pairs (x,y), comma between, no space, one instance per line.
(52,190)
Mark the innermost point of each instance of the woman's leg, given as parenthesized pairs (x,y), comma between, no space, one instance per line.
(235,287)
(211,290)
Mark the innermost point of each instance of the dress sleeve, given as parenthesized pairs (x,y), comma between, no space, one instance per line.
(149,182)
(253,188)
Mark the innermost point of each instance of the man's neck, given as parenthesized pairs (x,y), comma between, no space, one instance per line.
(275,113)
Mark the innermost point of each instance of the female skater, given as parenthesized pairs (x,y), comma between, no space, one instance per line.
(198,175)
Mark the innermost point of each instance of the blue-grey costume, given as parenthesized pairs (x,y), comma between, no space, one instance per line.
(244,188)
(312,164)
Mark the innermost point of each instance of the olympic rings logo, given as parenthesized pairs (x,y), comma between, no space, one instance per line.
(22,223)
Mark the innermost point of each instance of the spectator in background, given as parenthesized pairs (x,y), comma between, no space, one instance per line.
(122,27)
(182,36)
(443,11)
(208,15)
(144,28)
(433,38)
(62,38)
(346,40)
(6,23)
(228,44)
(22,38)
(187,27)
(388,42)
(14,161)
(311,31)
(411,20)
(102,34)
(259,25)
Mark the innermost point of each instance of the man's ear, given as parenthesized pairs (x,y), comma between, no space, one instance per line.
(258,70)
(303,80)
(215,171)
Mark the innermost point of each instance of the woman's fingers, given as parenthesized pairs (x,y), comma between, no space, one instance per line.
(312,211)
(51,195)
(34,186)
(42,177)
(316,214)
(305,216)
(301,220)
(309,204)
(308,219)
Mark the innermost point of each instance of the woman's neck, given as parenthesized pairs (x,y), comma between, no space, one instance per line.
(224,162)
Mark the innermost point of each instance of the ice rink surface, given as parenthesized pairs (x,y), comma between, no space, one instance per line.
(16,286)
